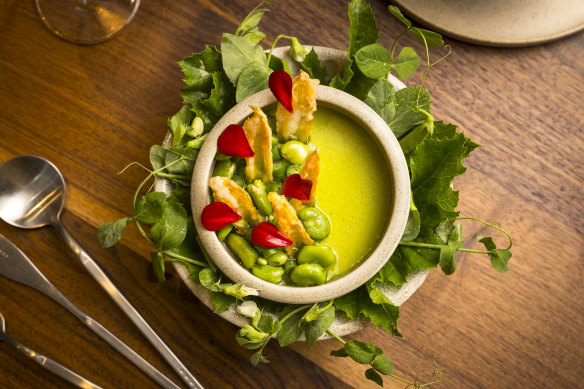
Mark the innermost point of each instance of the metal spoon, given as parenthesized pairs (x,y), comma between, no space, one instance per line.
(15,265)
(32,195)
(45,362)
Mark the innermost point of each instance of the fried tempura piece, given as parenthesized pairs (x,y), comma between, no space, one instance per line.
(297,125)
(289,223)
(259,135)
(237,198)
(310,171)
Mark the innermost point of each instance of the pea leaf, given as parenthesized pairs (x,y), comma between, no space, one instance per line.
(382,364)
(406,62)
(238,53)
(222,302)
(359,85)
(209,279)
(251,21)
(157,157)
(111,232)
(395,11)
(316,328)
(148,208)
(181,160)
(341,353)
(362,352)
(178,125)
(158,265)
(170,231)
(374,61)
(499,257)
(382,99)
(447,253)
(312,65)
(363,30)
(254,78)
(257,357)
(432,38)
(374,376)
(291,329)
(407,115)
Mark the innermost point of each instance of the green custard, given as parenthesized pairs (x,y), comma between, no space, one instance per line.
(353,188)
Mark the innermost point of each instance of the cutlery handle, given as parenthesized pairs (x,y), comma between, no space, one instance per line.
(101,277)
(51,365)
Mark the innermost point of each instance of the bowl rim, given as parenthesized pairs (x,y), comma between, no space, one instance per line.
(397,167)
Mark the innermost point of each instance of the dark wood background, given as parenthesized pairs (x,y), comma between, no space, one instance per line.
(92,110)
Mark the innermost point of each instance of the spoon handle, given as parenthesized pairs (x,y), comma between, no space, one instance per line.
(50,364)
(101,277)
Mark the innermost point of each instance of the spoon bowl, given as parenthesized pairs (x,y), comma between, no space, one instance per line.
(32,192)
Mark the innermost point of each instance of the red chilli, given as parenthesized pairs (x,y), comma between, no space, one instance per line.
(233,142)
(268,236)
(280,84)
(217,215)
(297,188)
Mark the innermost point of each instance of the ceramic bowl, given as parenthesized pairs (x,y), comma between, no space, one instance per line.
(362,115)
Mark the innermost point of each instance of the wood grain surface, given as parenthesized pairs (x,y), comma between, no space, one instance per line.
(92,110)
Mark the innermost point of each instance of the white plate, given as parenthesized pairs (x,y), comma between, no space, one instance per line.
(499,22)
(334,61)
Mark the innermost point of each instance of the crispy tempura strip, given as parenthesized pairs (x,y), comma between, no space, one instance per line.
(237,198)
(259,135)
(289,223)
(310,172)
(297,125)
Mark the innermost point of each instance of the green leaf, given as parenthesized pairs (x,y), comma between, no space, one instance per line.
(198,68)
(187,157)
(406,63)
(389,273)
(362,352)
(170,231)
(382,99)
(238,53)
(374,61)
(158,265)
(257,357)
(277,63)
(157,157)
(222,302)
(447,253)
(382,364)
(413,224)
(252,20)
(341,353)
(254,78)
(359,85)
(432,38)
(179,124)
(412,139)
(363,30)
(359,303)
(499,257)
(312,65)
(395,11)
(209,279)
(291,329)
(407,115)
(148,208)
(374,376)
(210,108)
(110,233)
(341,82)
(316,328)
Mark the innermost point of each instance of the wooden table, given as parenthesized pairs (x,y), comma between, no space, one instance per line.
(92,110)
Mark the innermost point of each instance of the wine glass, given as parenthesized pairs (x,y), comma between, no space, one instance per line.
(87,22)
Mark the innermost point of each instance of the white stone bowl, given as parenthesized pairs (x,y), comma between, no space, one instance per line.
(399,197)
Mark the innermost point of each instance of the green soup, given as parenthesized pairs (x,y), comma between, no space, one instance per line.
(353,188)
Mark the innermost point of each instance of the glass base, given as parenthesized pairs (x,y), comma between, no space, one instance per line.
(87,22)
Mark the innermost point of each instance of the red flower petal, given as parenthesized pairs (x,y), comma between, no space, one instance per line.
(234,142)
(268,236)
(217,215)
(297,188)
(280,84)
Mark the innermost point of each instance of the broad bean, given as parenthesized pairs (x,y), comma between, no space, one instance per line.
(308,274)
(293,169)
(279,169)
(295,152)
(238,180)
(316,222)
(268,273)
(243,250)
(319,254)
(279,258)
(224,169)
(290,265)
(257,190)
(274,187)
